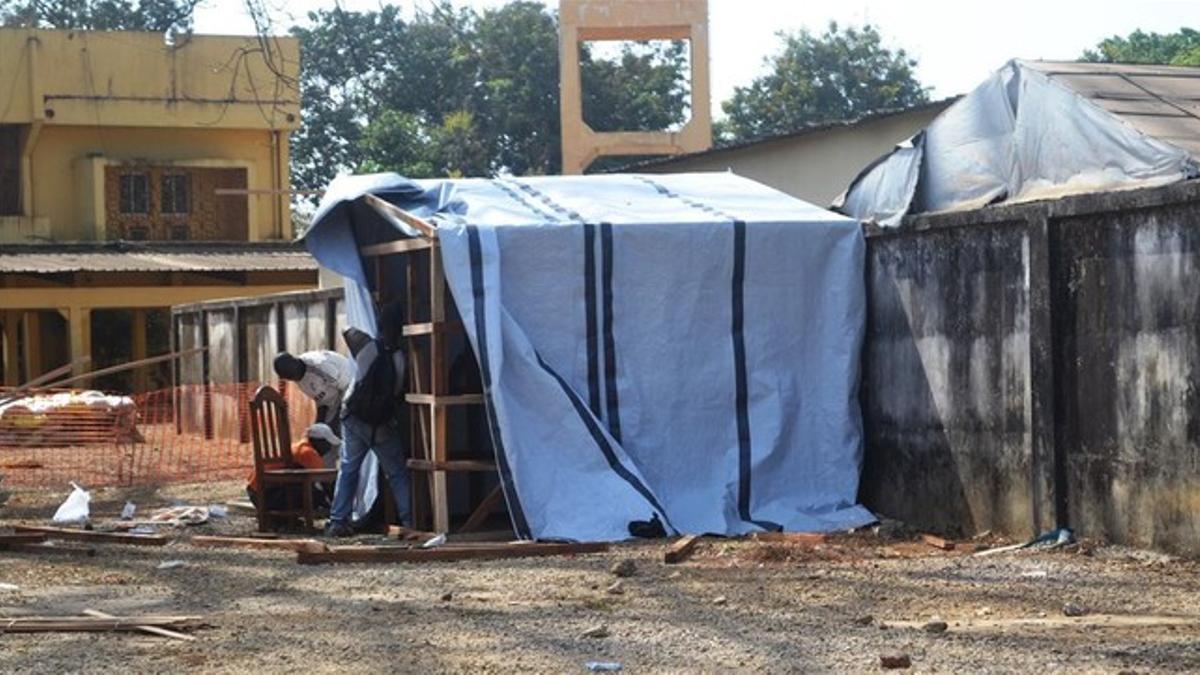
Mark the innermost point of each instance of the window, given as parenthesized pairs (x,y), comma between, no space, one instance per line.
(10,173)
(174,193)
(135,193)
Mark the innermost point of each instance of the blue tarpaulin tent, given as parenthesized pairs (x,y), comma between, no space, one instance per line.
(685,346)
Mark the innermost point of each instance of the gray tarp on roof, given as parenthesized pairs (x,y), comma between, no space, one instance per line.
(1036,130)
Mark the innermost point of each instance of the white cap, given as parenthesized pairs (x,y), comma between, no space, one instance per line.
(322,432)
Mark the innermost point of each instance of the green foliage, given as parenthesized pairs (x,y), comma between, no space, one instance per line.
(840,74)
(151,15)
(453,92)
(644,90)
(1175,49)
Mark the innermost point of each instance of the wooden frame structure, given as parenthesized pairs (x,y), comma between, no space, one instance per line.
(429,423)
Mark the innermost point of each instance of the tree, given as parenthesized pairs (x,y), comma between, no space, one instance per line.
(455,92)
(1175,49)
(152,15)
(840,74)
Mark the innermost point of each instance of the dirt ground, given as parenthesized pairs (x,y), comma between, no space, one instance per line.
(739,605)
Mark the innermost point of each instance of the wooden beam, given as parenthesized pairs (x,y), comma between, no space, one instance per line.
(681,550)
(398,246)
(19,392)
(790,537)
(99,537)
(484,510)
(396,214)
(119,368)
(429,328)
(445,553)
(451,465)
(22,538)
(74,624)
(937,542)
(433,399)
(257,543)
(152,630)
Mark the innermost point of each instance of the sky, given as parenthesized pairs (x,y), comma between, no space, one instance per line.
(956,42)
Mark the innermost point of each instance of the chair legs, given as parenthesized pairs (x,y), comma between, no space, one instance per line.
(307,487)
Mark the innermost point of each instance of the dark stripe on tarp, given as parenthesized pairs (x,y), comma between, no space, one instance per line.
(741,387)
(589,307)
(612,404)
(545,199)
(516,197)
(520,524)
(606,448)
(742,394)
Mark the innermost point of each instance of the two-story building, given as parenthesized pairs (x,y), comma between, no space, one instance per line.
(137,173)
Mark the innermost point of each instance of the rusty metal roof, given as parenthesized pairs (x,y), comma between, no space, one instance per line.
(1159,101)
(154,257)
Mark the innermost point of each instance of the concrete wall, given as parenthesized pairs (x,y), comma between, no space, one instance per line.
(1037,365)
(815,166)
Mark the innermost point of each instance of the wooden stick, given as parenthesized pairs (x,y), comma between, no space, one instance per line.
(485,508)
(251,542)
(153,630)
(681,550)
(20,391)
(103,537)
(262,191)
(937,542)
(119,369)
(50,624)
(394,554)
(790,537)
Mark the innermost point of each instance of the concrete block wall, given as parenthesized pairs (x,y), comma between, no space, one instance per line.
(1036,365)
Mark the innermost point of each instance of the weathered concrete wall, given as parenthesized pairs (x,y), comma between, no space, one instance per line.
(1128,347)
(946,379)
(1038,364)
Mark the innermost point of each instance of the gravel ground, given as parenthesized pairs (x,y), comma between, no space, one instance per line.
(733,606)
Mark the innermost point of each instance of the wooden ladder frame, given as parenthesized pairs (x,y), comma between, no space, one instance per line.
(429,425)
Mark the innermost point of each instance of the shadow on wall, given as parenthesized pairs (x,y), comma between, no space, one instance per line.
(908,469)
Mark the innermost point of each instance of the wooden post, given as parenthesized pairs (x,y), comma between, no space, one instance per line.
(141,377)
(12,374)
(81,333)
(33,344)
(438,386)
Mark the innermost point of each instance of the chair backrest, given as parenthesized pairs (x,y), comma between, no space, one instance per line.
(269,428)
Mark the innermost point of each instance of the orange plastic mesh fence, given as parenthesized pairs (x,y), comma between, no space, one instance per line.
(190,433)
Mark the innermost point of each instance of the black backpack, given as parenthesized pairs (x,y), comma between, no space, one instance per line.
(373,399)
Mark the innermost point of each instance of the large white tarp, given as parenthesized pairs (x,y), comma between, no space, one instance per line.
(679,345)
(1018,136)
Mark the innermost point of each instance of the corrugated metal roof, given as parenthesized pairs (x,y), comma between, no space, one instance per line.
(1159,101)
(156,257)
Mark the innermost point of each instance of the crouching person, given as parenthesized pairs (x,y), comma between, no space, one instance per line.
(370,420)
(319,442)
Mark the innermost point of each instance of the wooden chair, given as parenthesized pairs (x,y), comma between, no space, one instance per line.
(273,463)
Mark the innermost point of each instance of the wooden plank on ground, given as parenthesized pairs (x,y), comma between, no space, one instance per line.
(22,538)
(681,549)
(252,542)
(395,554)
(406,534)
(98,537)
(937,542)
(791,537)
(73,624)
(152,630)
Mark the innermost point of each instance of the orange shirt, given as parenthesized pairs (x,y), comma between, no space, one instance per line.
(304,456)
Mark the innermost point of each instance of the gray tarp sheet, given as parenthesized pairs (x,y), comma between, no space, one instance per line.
(680,345)
(1018,136)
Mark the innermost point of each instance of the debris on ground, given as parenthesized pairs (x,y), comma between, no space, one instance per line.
(74,509)
(720,600)
(895,661)
(128,510)
(1073,609)
(623,568)
(603,666)
(599,631)
(935,627)
(180,515)
(615,588)
(864,620)
(170,564)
